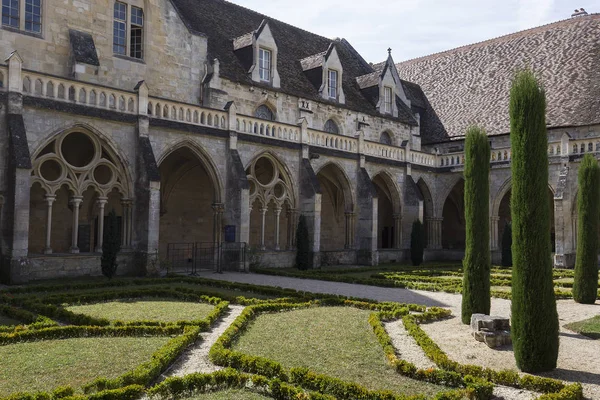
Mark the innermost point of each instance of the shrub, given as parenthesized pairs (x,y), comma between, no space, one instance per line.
(534,317)
(110,246)
(417,244)
(303,256)
(507,245)
(477,263)
(585,285)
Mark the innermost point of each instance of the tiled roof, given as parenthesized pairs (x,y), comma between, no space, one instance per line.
(314,61)
(471,84)
(222,22)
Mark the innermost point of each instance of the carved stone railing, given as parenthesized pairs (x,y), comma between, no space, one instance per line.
(332,141)
(187,113)
(61,89)
(582,146)
(261,127)
(381,150)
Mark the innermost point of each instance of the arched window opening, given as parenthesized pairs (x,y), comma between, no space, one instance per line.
(331,127)
(264,112)
(385,138)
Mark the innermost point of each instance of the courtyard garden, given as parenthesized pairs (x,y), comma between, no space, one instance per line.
(442,277)
(198,338)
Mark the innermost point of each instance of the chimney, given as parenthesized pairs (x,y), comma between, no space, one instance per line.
(579,13)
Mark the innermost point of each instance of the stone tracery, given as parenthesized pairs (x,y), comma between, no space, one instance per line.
(271,189)
(78,165)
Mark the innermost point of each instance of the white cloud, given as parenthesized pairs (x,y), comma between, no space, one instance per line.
(413,28)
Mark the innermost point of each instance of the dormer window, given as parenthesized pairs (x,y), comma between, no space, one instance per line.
(264,64)
(332,84)
(387,92)
(122,26)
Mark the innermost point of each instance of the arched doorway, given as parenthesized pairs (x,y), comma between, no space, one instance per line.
(77,179)
(388,213)
(272,204)
(190,205)
(426,213)
(453,222)
(337,217)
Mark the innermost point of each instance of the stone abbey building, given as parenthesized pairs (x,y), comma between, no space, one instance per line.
(206,126)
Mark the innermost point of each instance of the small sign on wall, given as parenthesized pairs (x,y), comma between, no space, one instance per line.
(230,233)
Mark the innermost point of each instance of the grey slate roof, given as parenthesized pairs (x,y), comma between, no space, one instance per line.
(471,84)
(221,22)
(83,47)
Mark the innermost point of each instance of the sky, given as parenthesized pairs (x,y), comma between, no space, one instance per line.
(415,28)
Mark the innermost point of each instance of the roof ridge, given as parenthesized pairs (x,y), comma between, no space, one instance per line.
(268,18)
(499,38)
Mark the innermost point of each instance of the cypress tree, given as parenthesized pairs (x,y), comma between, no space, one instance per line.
(534,318)
(476,265)
(110,246)
(507,245)
(302,245)
(417,244)
(585,286)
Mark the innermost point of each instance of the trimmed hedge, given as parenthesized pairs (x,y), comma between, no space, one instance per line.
(550,386)
(29,319)
(131,392)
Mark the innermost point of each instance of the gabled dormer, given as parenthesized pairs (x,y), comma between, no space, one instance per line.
(383,86)
(257,51)
(325,72)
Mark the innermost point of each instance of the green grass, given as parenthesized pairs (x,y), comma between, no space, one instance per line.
(336,341)
(588,327)
(145,310)
(44,365)
(229,394)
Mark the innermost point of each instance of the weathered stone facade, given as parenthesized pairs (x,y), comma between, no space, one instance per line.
(192,147)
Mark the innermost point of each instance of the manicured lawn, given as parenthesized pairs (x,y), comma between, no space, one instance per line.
(588,327)
(44,365)
(230,394)
(145,310)
(336,341)
(4,320)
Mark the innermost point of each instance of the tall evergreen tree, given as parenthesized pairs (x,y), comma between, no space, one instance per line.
(507,245)
(477,262)
(534,318)
(585,286)
(111,245)
(303,255)
(417,243)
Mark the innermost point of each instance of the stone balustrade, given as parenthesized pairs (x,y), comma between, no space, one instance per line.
(61,89)
(276,130)
(332,141)
(381,150)
(187,113)
(52,87)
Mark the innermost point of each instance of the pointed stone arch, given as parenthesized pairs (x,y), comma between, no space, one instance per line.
(337,208)
(453,217)
(266,111)
(389,211)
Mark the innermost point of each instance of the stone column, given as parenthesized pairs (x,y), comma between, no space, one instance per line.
(263,212)
(277,214)
(494,239)
(49,200)
(434,232)
(76,202)
(101,202)
(397,231)
(349,241)
(292,223)
(124,224)
(218,209)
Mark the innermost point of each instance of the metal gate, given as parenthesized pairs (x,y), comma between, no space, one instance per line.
(192,258)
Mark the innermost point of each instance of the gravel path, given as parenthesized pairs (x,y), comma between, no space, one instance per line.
(578,355)
(406,347)
(195,359)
